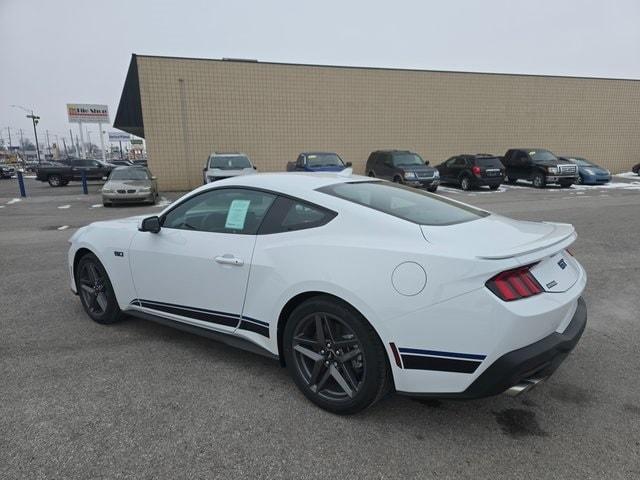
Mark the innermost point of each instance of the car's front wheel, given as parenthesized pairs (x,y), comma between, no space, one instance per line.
(55,180)
(539,180)
(95,290)
(335,357)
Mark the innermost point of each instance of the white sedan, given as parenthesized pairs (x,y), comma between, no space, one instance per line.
(359,286)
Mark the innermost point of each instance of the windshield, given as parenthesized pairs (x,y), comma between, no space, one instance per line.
(581,161)
(542,155)
(407,203)
(489,162)
(324,160)
(129,174)
(229,162)
(407,159)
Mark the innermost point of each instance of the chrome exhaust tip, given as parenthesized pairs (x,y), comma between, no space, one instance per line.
(523,386)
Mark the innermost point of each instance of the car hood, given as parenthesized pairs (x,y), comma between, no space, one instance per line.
(553,163)
(115,184)
(596,170)
(496,237)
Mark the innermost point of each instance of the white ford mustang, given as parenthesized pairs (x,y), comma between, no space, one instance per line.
(358,286)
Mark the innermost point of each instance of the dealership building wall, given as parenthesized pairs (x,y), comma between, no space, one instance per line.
(187,108)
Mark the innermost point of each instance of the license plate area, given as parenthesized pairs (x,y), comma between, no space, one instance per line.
(557,273)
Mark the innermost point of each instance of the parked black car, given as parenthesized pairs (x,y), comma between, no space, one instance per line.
(538,166)
(472,171)
(6,171)
(636,168)
(121,163)
(403,166)
(59,176)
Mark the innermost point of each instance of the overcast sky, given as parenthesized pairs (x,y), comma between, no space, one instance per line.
(66,51)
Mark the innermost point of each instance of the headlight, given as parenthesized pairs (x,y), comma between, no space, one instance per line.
(409,175)
(145,189)
(553,170)
(436,174)
(107,190)
(588,171)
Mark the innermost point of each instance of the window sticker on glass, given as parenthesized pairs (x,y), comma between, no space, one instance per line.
(310,157)
(237,214)
(532,153)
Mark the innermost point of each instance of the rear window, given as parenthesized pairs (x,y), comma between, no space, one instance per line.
(489,162)
(407,203)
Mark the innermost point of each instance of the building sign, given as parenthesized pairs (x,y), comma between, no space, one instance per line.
(136,141)
(86,113)
(119,137)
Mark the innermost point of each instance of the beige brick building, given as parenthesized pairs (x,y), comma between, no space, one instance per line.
(187,108)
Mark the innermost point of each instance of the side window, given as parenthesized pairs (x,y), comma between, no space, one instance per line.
(225,210)
(522,159)
(460,162)
(300,161)
(387,159)
(451,161)
(288,215)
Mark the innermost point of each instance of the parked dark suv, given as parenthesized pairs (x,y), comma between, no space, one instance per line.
(403,166)
(472,171)
(538,166)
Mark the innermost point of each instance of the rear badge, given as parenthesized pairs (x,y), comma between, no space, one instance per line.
(562,264)
(552,284)
(118,254)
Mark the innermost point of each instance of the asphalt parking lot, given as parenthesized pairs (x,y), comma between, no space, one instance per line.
(138,400)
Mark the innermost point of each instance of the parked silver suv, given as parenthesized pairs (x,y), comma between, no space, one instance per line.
(224,165)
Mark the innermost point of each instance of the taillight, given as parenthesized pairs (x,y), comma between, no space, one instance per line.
(476,170)
(514,284)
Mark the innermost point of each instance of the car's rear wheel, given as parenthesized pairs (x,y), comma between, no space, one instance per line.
(465,183)
(397,179)
(432,189)
(55,180)
(95,290)
(539,180)
(372,174)
(335,357)
(494,187)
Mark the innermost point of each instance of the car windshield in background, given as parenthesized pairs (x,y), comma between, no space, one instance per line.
(229,162)
(542,155)
(489,162)
(581,161)
(129,174)
(324,160)
(407,159)
(407,203)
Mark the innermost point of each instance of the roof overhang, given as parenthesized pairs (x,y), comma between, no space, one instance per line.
(129,115)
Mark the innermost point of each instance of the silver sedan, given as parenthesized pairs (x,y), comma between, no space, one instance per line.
(130,185)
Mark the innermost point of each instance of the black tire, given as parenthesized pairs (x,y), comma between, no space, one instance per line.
(397,179)
(539,181)
(55,180)
(465,183)
(494,187)
(95,290)
(372,174)
(432,189)
(579,180)
(339,386)
(510,181)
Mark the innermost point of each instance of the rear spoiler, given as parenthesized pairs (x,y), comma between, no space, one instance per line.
(564,235)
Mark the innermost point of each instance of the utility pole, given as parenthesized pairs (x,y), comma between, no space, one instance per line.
(66,152)
(48,143)
(35,119)
(73,144)
(9,130)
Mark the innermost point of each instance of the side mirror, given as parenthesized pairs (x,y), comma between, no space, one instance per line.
(348,164)
(150,224)
(426,162)
(154,178)
(255,168)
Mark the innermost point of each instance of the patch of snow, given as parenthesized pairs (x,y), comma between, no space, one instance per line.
(163,202)
(97,205)
(63,207)
(63,227)
(14,200)
(626,175)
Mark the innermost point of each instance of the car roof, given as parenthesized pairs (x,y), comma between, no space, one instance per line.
(392,151)
(318,153)
(229,154)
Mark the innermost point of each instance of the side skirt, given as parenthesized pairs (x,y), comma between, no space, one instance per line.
(226,338)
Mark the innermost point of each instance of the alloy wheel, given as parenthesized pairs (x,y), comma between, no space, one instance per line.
(93,288)
(464,183)
(328,356)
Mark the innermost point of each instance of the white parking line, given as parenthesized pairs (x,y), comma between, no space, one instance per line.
(163,202)
(14,200)
(63,227)
(64,206)
(97,205)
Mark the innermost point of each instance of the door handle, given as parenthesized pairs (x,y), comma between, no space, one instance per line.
(228,259)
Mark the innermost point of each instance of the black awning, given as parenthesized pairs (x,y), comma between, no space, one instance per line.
(129,116)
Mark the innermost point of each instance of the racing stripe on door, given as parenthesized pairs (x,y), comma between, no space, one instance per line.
(210,316)
(416,359)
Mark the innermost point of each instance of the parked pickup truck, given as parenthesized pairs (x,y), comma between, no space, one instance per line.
(538,166)
(61,174)
(317,162)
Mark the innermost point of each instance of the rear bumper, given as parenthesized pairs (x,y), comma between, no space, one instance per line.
(538,360)
(487,181)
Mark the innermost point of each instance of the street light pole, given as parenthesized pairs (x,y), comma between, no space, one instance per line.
(9,130)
